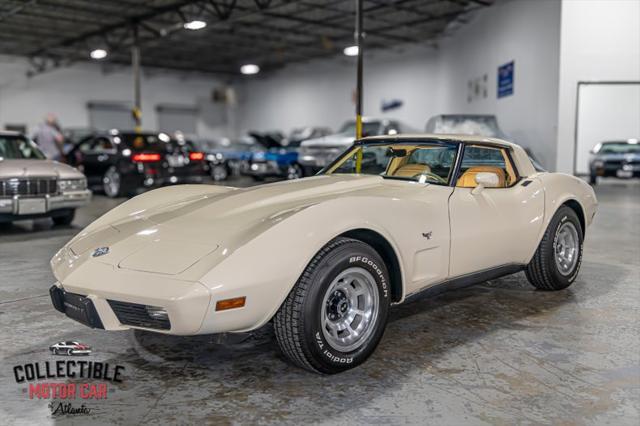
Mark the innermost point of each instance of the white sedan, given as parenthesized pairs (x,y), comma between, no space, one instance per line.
(393,218)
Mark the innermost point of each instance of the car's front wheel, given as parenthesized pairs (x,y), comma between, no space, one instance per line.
(556,263)
(334,317)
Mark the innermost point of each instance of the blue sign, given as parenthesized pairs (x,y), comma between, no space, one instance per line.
(505,79)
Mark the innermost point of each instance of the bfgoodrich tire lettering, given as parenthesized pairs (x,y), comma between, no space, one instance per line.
(299,322)
(544,272)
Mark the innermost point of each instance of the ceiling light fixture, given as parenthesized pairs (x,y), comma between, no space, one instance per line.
(98,54)
(351,51)
(195,25)
(249,69)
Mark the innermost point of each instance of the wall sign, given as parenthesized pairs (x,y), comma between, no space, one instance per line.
(506,79)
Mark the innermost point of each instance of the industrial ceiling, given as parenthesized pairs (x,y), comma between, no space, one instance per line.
(270,33)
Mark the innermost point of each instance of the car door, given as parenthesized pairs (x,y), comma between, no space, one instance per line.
(98,154)
(495,226)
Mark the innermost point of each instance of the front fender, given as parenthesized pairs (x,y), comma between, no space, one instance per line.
(265,268)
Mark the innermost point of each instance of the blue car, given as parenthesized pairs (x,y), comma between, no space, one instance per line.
(280,157)
(227,157)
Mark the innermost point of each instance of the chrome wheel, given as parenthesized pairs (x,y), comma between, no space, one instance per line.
(111,182)
(350,309)
(219,173)
(567,247)
(294,172)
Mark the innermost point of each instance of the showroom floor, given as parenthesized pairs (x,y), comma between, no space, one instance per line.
(498,353)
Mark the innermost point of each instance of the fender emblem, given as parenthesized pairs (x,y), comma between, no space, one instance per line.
(427,235)
(100,251)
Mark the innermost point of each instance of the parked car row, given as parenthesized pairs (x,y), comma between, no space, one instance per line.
(125,163)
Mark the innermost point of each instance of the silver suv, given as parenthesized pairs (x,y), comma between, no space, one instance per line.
(314,154)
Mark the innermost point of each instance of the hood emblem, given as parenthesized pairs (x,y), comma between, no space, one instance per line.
(100,251)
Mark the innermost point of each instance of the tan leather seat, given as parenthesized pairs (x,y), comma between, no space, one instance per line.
(468,179)
(410,170)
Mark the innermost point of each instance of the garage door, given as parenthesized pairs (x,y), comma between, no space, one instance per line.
(172,118)
(606,111)
(110,115)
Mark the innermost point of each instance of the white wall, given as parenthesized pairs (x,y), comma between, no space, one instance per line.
(431,81)
(321,92)
(67,91)
(600,40)
(528,33)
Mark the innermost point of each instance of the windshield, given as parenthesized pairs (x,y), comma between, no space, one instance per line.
(368,129)
(620,148)
(416,161)
(19,148)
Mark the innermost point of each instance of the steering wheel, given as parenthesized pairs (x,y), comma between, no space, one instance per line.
(430,175)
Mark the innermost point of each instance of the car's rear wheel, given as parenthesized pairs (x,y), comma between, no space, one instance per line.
(219,172)
(556,263)
(294,171)
(112,183)
(336,313)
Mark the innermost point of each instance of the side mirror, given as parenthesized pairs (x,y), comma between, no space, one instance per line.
(485,180)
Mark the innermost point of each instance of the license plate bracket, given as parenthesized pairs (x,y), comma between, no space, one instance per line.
(625,174)
(32,206)
(76,307)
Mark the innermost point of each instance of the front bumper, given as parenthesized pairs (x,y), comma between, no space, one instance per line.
(120,304)
(66,200)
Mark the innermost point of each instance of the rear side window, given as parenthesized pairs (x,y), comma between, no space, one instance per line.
(477,159)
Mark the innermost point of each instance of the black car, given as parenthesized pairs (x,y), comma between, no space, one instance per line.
(125,163)
(619,159)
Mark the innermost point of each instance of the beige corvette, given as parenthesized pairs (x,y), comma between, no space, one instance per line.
(325,257)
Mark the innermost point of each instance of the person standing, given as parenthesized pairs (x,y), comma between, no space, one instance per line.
(50,139)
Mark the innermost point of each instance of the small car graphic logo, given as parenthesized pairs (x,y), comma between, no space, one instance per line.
(427,235)
(100,251)
(70,348)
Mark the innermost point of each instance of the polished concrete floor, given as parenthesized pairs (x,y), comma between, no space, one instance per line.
(498,353)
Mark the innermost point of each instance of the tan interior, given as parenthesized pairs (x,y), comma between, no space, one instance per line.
(410,170)
(468,179)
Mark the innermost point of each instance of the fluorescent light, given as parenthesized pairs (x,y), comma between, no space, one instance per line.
(250,69)
(195,25)
(98,54)
(351,51)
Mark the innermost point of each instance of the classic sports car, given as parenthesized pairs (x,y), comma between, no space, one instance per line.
(70,348)
(282,161)
(324,257)
(619,159)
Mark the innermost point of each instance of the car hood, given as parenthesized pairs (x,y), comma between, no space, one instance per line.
(339,139)
(37,168)
(620,157)
(172,236)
